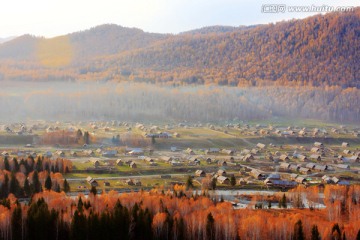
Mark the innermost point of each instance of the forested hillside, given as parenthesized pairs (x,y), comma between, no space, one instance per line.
(317,51)
(98,41)
(321,50)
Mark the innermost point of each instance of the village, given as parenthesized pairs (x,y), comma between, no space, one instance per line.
(133,156)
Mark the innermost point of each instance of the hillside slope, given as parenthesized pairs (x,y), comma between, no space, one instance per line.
(321,50)
(317,51)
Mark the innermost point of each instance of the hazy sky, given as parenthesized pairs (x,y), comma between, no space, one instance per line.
(56,17)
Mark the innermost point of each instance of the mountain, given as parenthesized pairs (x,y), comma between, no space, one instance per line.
(111,39)
(98,41)
(20,48)
(322,50)
(2,40)
(215,29)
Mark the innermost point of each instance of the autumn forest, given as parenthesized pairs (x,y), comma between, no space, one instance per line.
(180,214)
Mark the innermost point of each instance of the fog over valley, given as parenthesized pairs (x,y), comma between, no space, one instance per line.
(149,102)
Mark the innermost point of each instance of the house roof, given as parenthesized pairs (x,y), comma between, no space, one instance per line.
(344,166)
(321,167)
(260,145)
(300,179)
(315,156)
(274,176)
(285,165)
(222,178)
(280,183)
(310,165)
(199,171)
(302,169)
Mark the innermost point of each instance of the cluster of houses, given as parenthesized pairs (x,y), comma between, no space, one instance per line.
(274,179)
(221,176)
(306,170)
(259,130)
(334,180)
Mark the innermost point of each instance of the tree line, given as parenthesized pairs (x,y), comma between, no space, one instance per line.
(28,177)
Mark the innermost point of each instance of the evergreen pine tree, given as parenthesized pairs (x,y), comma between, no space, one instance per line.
(41,221)
(284,201)
(210,227)
(6,163)
(48,183)
(95,227)
(39,165)
(78,226)
(36,184)
(17,224)
(14,185)
(66,186)
(315,235)
(80,205)
(5,187)
(16,165)
(213,183)
(27,190)
(298,231)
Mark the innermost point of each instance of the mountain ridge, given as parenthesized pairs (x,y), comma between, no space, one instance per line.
(321,50)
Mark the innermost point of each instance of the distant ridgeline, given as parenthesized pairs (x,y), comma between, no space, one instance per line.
(316,51)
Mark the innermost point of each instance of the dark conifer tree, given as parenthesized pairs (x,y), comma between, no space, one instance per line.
(40,221)
(5,187)
(298,231)
(315,235)
(14,185)
(6,163)
(36,184)
(48,183)
(210,227)
(39,165)
(66,186)
(17,229)
(27,189)
(16,165)
(79,226)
